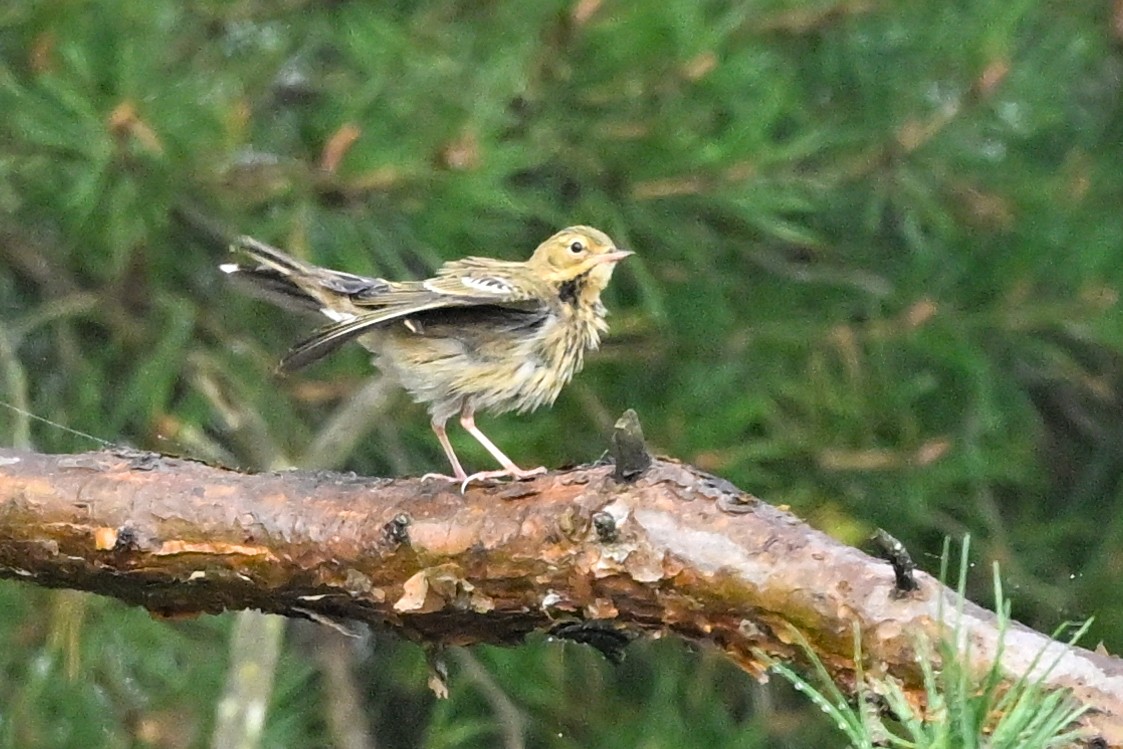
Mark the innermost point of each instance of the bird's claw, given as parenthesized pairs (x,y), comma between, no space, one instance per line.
(514,472)
(444,477)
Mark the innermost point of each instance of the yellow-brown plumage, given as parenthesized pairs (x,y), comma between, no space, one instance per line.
(482,334)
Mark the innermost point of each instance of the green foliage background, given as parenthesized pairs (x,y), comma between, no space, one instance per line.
(879,253)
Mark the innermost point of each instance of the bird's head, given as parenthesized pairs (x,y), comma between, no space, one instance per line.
(578,254)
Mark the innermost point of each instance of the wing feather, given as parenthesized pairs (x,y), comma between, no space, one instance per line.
(460,284)
(331,337)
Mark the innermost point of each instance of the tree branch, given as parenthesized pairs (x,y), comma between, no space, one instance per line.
(673,550)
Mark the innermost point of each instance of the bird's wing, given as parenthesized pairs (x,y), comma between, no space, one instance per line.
(460,284)
(329,338)
(489,281)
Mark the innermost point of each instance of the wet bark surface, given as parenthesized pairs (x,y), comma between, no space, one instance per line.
(581,552)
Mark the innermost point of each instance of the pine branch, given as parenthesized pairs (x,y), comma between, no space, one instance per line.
(578,552)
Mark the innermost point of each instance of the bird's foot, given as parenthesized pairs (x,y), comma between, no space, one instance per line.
(445,477)
(513,472)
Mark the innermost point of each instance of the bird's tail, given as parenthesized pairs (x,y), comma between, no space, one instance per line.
(288,282)
(271,275)
(270,257)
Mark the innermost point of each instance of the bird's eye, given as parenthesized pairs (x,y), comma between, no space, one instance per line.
(577,248)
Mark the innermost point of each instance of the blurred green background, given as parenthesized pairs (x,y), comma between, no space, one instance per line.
(879,253)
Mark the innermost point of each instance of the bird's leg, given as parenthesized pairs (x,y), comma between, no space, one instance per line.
(468,421)
(457,470)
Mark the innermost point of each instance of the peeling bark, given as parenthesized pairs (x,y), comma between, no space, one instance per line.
(673,550)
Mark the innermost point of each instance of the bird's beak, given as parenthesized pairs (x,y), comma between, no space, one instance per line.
(613,257)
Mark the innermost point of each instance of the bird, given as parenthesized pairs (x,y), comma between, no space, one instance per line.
(481,335)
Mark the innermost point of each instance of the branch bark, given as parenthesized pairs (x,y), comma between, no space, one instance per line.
(674,550)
